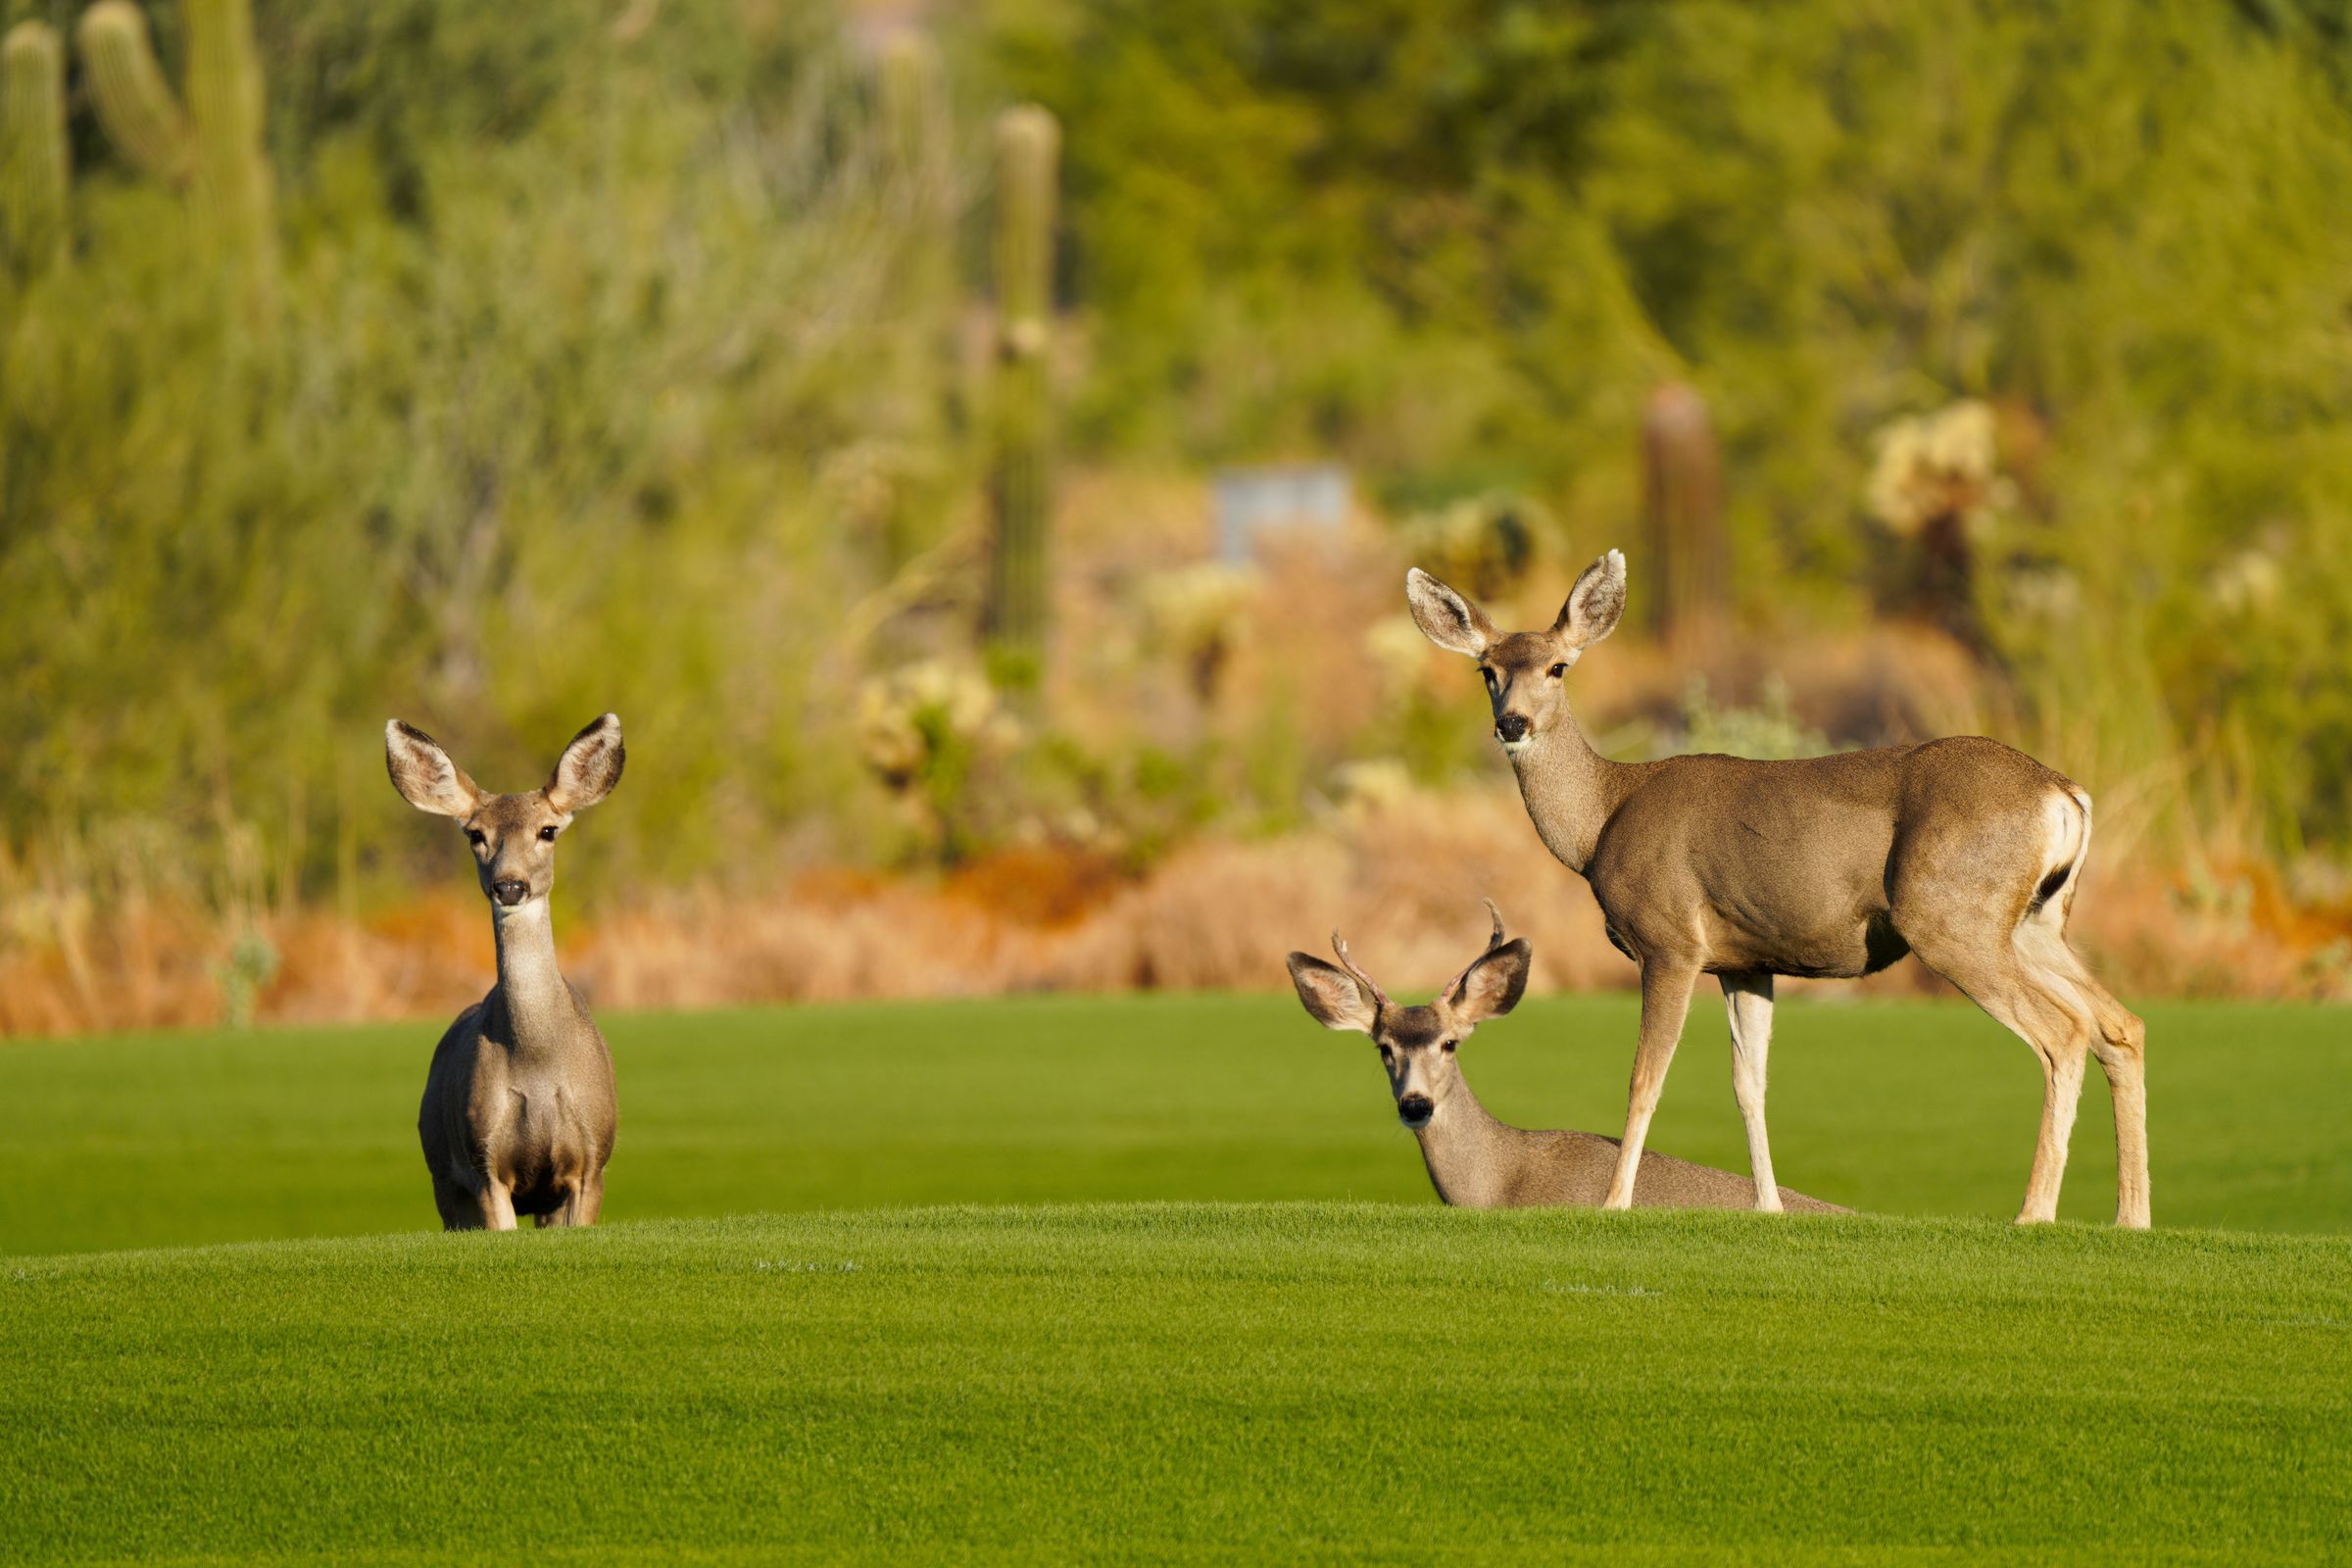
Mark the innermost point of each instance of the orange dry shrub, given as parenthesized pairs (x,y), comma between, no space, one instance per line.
(1401,873)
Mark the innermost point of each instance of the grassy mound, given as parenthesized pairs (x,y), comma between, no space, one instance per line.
(1142,1381)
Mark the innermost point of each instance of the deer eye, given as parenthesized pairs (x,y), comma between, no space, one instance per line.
(546,835)
(1557,670)
(476,837)
(1387,1056)
(1488,675)
(1447,1046)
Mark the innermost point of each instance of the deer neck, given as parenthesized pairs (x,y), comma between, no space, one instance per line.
(537,1003)
(1467,1150)
(1570,789)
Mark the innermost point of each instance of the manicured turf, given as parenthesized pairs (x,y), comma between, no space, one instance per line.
(1256,1383)
(1251,1381)
(1893,1107)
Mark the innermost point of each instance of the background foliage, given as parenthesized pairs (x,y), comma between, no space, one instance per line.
(624,361)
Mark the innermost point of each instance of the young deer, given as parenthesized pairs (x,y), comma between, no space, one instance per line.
(520,1109)
(1474,1160)
(1962,850)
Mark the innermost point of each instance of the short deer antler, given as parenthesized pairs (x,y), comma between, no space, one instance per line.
(1371,986)
(1493,942)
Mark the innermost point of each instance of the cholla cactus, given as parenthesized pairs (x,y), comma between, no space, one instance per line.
(1940,465)
(1480,544)
(1195,613)
(1937,484)
(34,165)
(913,719)
(923,730)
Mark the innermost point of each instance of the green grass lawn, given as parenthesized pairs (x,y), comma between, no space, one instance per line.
(1250,1383)
(1893,1107)
(1252,1369)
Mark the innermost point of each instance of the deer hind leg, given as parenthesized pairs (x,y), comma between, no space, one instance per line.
(1748,996)
(581,1202)
(1665,1002)
(2046,1017)
(2118,1040)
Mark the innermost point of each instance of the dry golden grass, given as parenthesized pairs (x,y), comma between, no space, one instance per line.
(1400,876)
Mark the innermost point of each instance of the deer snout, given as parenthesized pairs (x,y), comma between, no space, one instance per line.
(1510,728)
(1414,1110)
(510,891)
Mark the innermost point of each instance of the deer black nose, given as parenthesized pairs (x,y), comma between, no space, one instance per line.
(510,891)
(1511,727)
(1415,1108)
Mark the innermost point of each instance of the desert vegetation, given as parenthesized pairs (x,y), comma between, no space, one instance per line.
(838,392)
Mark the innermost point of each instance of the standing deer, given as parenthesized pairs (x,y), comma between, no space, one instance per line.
(1962,850)
(1474,1160)
(520,1109)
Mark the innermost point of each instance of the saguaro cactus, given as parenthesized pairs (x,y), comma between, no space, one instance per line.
(213,146)
(910,104)
(34,168)
(1937,484)
(915,137)
(1683,498)
(1028,151)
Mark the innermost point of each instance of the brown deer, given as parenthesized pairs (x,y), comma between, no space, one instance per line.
(1474,1160)
(1961,851)
(520,1109)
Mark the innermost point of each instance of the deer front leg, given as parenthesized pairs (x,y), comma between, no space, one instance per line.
(1665,1002)
(1748,996)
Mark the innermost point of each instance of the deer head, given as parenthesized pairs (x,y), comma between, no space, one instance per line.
(513,836)
(1524,670)
(1416,1044)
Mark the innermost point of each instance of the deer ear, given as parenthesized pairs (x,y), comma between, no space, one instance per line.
(423,773)
(1493,985)
(1331,995)
(1446,617)
(1593,604)
(589,767)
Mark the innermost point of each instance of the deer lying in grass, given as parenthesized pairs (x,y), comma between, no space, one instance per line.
(1474,1160)
(1962,850)
(519,1108)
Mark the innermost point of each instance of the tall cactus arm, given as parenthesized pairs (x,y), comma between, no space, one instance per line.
(134,102)
(34,168)
(1018,599)
(1028,152)
(225,100)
